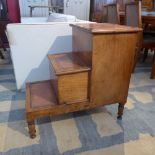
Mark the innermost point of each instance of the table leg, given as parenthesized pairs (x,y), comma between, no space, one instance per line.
(120,110)
(31,127)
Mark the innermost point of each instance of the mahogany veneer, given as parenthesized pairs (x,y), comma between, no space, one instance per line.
(96,73)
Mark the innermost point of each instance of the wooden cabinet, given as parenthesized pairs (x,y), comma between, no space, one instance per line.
(97,72)
(110,58)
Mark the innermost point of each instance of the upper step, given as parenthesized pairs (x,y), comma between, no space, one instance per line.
(67,63)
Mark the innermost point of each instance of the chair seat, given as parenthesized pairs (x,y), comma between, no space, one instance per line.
(148,41)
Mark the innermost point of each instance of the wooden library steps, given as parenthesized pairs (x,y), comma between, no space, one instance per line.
(96,73)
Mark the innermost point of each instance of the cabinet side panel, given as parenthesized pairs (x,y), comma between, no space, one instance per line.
(82,43)
(113,57)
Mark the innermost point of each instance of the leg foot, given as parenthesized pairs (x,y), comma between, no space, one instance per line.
(32,130)
(120,110)
(119,117)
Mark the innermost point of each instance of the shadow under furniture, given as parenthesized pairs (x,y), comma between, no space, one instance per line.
(96,73)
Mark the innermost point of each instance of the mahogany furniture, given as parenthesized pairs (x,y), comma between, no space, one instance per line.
(133,14)
(85,78)
(97,9)
(147,17)
(145,41)
(147,5)
(113,13)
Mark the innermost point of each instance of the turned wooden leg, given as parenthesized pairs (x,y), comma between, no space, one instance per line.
(32,130)
(120,110)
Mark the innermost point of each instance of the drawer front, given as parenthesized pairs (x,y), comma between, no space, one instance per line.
(73,88)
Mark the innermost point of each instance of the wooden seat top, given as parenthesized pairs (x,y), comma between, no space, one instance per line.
(104,28)
(40,95)
(67,63)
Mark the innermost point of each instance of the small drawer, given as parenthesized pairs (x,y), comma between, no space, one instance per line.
(73,88)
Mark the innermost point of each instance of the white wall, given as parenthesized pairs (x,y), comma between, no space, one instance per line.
(78,8)
(31,43)
(37,12)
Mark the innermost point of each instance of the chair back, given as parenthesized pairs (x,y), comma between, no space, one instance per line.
(133,18)
(133,14)
(113,13)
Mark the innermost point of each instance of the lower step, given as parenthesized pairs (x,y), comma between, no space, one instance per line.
(40,95)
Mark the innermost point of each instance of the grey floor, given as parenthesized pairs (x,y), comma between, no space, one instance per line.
(94,132)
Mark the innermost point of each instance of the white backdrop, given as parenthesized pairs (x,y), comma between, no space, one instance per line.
(40,12)
(78,8)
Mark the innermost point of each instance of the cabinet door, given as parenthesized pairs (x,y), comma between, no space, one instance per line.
(78,8)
